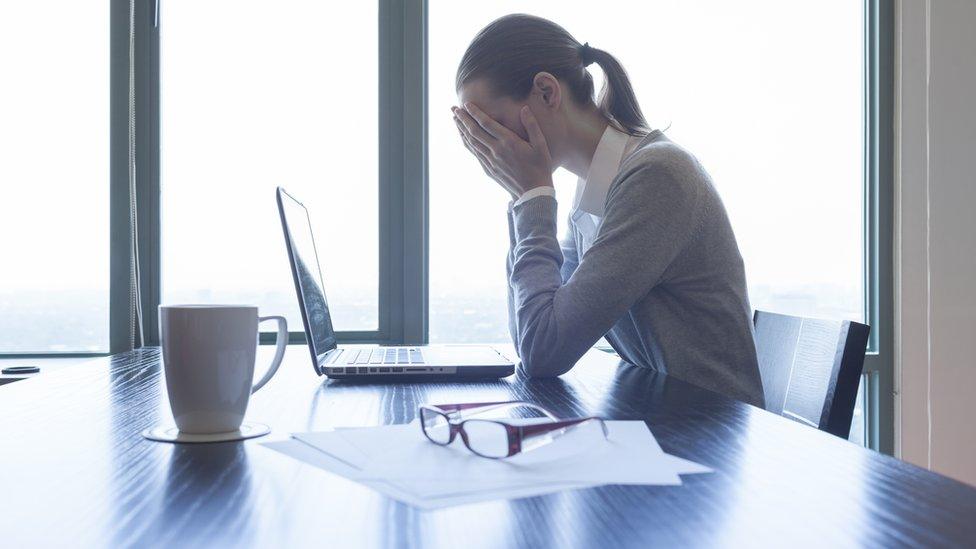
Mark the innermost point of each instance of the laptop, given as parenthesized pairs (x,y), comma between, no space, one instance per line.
(370,362)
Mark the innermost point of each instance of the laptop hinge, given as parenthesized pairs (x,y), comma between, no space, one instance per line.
(331,356)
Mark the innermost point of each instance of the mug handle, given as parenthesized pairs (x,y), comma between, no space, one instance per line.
(280,342)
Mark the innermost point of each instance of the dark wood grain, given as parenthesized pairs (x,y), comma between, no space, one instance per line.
(74,471)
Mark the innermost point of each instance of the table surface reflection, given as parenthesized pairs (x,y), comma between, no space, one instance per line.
(74,471)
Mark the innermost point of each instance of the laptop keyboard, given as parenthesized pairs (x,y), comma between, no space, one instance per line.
(384,355)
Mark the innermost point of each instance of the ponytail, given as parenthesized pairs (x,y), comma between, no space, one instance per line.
(617,100)
(513,49)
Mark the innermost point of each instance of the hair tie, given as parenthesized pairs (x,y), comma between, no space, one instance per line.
(586,54)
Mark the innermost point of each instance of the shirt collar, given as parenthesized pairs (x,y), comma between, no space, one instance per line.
(591,191)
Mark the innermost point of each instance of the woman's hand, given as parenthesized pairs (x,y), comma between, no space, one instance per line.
(517,165)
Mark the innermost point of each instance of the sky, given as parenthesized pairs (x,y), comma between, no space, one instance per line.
(54,131)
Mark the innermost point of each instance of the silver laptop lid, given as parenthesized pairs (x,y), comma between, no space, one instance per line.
(307,274)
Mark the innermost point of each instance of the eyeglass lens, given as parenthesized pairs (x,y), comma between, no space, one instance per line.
(487,438)
(436,426)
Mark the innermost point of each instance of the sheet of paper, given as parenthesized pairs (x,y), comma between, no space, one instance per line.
(398,461)
(336,445)
(356,445)
(312,456)
(630,456)
(444,488)
(303,452)
(338,448)
(687,467)
(363,444)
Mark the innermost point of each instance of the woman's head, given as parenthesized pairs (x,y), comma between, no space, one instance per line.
(522,59)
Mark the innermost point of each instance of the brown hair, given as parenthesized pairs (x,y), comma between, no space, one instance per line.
(511,50)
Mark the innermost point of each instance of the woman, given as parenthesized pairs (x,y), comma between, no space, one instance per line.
(650,260)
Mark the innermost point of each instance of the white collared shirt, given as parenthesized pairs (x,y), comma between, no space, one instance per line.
(591,191)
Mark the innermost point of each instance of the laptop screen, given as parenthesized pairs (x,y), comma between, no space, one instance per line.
(308,275)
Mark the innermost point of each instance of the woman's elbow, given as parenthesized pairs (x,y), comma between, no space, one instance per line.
(538,365)
(540,348)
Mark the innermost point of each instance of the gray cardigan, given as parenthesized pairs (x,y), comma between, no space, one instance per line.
(663,280)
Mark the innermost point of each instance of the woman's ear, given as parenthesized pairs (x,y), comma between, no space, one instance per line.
(546,87)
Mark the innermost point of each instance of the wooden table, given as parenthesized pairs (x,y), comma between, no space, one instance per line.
(74,471)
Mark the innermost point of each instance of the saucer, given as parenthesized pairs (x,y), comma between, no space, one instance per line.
(169,433)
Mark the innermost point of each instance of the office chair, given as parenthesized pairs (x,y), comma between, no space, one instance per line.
(811,368)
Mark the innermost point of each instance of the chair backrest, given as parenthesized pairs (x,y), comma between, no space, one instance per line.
(811,368)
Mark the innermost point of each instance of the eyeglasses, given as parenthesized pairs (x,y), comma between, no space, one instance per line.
(495,438)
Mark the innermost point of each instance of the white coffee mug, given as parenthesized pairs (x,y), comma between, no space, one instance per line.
(208,359)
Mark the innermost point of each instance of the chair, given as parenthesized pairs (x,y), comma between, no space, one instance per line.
(811,368)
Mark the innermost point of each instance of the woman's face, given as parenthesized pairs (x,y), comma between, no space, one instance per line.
(545,101)
(503,109)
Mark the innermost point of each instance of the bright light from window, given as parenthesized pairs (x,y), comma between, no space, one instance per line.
(255,95)
(54,215)
(767,94)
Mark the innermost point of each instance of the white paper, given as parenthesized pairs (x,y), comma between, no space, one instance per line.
(629,456)
(400,462)
(312,456)
(333,444)
(357,444)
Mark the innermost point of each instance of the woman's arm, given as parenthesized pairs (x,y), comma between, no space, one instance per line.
(509,262)
(570,262)
(651,215)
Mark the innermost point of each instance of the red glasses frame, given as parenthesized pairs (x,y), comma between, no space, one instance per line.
(517,434)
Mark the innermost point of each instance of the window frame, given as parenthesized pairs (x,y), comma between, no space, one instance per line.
(878,375)
(403,189)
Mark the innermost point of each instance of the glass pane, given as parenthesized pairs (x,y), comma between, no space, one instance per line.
(770,108)
(255,95)
(54,215)
(858,434)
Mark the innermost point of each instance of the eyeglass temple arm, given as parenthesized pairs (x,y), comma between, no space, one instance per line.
(492,406)
(542,428)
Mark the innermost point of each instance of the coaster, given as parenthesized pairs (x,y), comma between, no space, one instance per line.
(169,433)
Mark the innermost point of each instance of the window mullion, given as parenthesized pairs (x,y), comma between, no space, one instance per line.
(403,170)
(878,226)
(415,175)
(120,302)
(147,111)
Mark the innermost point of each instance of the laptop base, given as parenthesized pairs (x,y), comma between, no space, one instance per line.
(462,373)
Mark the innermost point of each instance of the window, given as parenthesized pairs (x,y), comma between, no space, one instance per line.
(346,106)
(54,215)
(754,96)
(256,95)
